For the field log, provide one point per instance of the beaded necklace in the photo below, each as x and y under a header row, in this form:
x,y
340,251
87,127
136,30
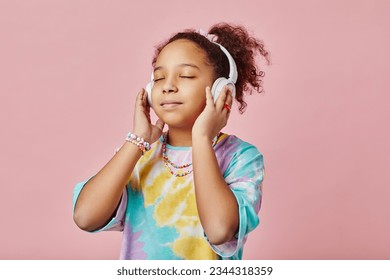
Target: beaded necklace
x,y
168,163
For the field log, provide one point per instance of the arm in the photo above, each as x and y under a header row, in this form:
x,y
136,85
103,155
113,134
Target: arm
x,y
100,197
216,203
243,170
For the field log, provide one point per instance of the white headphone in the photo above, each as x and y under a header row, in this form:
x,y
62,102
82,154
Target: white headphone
x,y
218,84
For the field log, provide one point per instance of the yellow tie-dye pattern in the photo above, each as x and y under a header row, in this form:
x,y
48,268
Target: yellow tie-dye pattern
x,y
154,190
191,209
142,170
170,208
193,248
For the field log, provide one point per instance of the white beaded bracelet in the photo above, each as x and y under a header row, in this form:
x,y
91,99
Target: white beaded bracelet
x,y
138,141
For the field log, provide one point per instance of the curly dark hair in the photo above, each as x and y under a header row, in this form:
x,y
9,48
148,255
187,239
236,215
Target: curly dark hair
x,y
241,46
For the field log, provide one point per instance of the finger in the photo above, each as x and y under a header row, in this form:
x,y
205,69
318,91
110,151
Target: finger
x,y
229,98
145,103
160,124
228,101
209,97
140,101
222,99
226,109
139,98
145,98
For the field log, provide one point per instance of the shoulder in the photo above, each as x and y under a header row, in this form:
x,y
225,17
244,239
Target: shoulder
x,y
233,151
231,145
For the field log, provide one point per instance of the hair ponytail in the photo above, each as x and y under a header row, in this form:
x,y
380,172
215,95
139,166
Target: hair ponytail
x,y
243,48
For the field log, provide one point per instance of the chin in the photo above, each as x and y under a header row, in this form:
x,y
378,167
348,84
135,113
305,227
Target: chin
x,y
177,119
174,122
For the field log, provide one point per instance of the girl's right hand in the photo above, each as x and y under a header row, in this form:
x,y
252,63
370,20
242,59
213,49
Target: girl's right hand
x,y
142,125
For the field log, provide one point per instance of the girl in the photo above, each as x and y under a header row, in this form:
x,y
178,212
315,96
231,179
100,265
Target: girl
x,y
191,192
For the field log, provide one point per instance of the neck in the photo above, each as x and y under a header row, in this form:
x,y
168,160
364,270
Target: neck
x,y
180,138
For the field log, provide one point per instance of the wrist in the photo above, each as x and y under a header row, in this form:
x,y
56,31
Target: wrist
x,y
206,139
132,149
196,138
139,141
198,135
141,134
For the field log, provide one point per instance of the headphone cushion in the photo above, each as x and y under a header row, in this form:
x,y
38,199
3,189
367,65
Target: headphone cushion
x,y
148,89
218,86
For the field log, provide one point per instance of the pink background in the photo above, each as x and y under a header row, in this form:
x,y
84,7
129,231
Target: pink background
x,y
69,73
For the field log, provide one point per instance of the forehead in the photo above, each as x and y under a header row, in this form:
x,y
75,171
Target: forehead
x,y
181,51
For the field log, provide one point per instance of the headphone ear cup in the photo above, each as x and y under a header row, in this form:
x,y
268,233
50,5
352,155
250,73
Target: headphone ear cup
x,y
218,86
148,89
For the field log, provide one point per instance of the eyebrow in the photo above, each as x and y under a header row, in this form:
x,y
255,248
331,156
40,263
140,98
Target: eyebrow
x,y
180,65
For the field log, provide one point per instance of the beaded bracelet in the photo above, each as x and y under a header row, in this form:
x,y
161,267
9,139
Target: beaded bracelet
x,y
138,141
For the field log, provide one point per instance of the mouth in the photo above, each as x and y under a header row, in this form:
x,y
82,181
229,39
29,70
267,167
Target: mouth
x,y
170,104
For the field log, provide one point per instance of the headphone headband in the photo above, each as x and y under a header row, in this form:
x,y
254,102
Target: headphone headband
x,y
233,75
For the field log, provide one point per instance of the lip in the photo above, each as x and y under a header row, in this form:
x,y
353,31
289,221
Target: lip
x,y
170,103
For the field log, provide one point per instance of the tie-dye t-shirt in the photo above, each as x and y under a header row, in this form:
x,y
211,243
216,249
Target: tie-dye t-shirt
x,y
158,214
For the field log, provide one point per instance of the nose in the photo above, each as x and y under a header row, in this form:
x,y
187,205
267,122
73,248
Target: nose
x,y
169,86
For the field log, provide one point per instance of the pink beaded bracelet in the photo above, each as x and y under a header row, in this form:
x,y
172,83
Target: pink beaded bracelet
x,y
138,141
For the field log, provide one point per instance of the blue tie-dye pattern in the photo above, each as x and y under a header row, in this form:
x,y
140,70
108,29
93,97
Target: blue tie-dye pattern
x,y
157,241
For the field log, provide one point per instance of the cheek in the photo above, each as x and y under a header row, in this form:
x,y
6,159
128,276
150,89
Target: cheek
x,y
198,105
155,97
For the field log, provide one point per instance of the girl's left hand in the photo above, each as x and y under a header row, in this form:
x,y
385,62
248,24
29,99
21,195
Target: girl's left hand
x,y
214,116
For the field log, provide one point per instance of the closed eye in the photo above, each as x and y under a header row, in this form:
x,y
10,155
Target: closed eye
x,y
187,77
156,80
